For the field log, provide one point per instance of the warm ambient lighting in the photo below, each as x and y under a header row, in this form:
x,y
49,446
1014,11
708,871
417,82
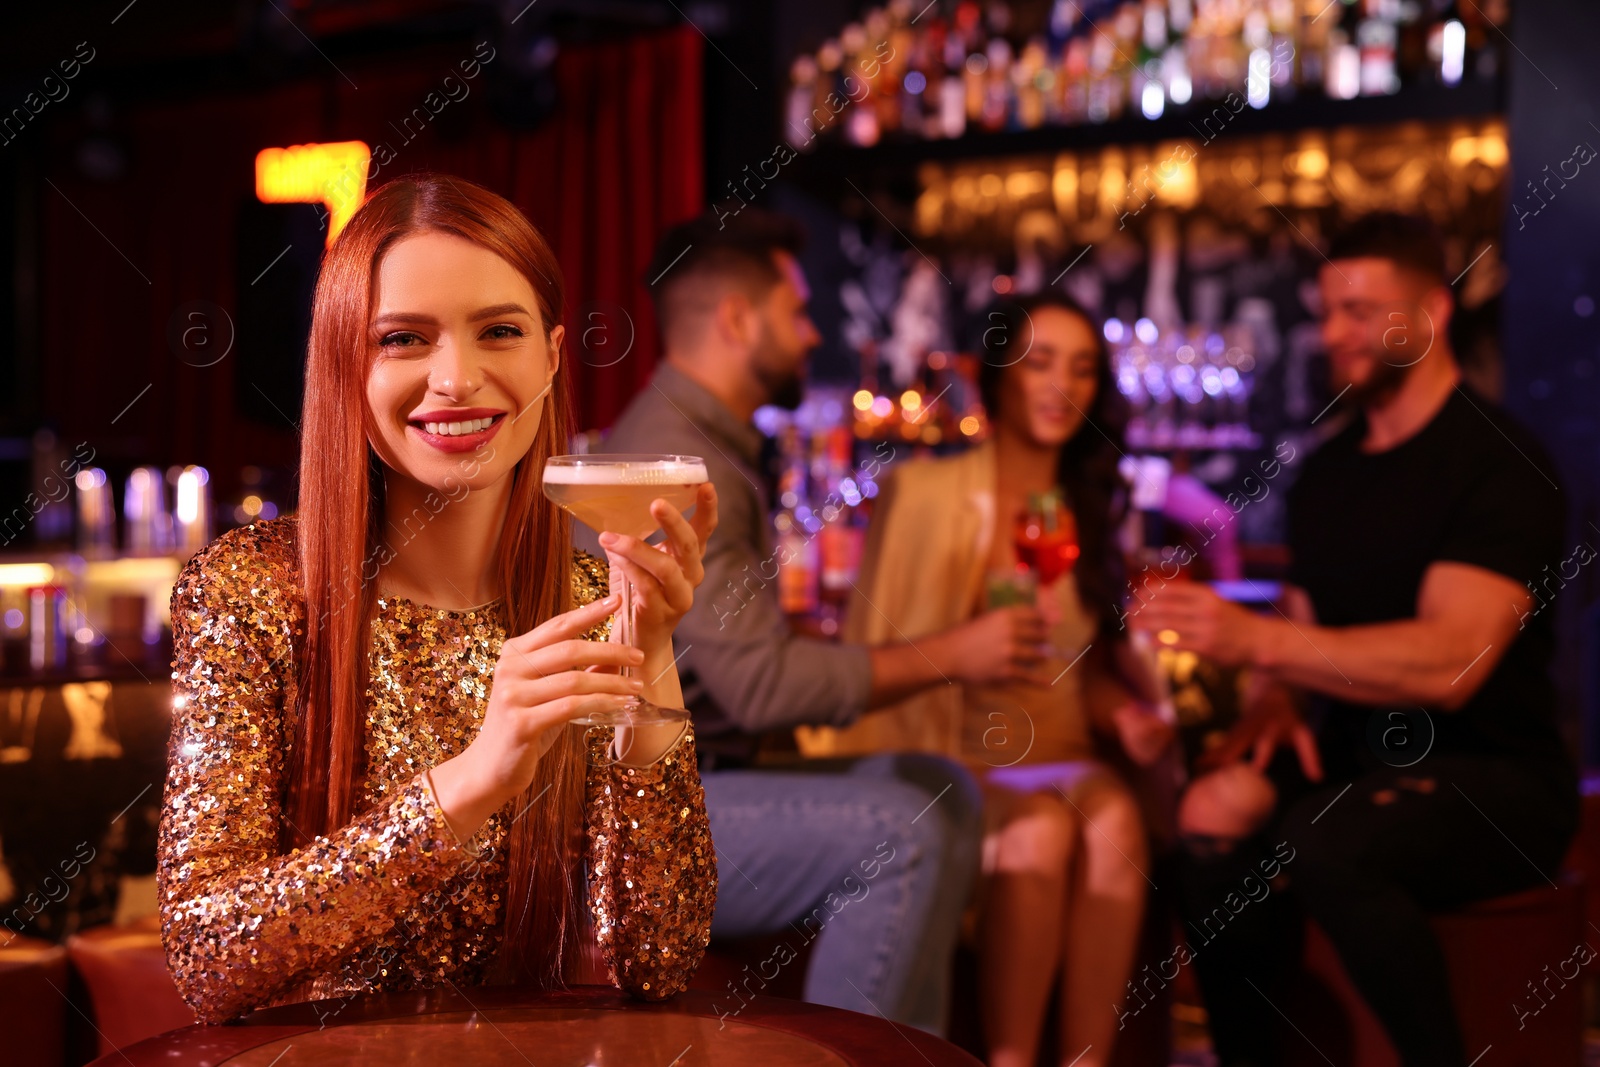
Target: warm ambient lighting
x,y
333,175
22,575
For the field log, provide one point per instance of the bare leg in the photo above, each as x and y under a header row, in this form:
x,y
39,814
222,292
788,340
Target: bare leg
x,y
1025,868
1104,909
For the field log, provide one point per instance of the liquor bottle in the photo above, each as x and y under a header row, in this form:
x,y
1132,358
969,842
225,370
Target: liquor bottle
x,y
797,566
799,126
890,47
997,88
841,537
1176,69
1064,15
1447,47
796,555
829,58
922,88
1148,89
1377,37
1284,30
1075,79
1180,17
1311,56
860,117
1343,63
1102,98
953,96
1031,78
1411,55
1258,58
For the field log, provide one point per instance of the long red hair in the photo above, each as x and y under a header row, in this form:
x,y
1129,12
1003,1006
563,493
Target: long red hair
x,y
340,520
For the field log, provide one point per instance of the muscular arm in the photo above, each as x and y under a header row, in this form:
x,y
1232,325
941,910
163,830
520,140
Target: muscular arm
x,y
1466,618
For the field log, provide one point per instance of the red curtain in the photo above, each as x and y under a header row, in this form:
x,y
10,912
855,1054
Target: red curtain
x,y
617,163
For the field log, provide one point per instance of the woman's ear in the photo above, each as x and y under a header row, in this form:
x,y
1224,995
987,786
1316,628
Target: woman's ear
x,y
558,334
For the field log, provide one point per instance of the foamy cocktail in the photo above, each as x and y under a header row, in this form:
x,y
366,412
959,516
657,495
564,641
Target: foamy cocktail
x,y
613,493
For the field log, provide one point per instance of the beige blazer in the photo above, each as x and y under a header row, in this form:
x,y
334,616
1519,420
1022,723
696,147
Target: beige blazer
x,y
929,510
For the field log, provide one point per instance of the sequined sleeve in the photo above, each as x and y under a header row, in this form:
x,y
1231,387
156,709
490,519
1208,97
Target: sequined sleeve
x,y
652,873
243,921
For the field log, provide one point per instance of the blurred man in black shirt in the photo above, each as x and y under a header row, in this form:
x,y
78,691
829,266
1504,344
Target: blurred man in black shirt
x,y
1436,775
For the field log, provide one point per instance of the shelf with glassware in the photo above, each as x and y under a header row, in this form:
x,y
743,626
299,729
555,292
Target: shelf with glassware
x,y
81,603
1202,123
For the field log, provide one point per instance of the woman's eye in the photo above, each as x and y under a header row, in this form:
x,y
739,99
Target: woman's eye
x,y
400,339
503,332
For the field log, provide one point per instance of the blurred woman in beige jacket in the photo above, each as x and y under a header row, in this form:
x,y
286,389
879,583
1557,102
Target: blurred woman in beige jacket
x,y
1065,861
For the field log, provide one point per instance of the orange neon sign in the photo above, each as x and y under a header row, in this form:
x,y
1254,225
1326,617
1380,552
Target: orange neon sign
x,y
333,175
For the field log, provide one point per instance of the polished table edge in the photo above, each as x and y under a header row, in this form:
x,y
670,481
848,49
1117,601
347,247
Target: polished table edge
x,y
860,1040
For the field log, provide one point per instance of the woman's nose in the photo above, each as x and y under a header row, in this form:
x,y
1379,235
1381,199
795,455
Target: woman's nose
x,y
454,371
1063,379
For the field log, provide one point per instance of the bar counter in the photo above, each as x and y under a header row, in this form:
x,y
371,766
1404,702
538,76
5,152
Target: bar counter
x,y
507,1025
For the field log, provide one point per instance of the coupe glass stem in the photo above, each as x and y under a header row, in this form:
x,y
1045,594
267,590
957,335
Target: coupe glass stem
x,y
625,624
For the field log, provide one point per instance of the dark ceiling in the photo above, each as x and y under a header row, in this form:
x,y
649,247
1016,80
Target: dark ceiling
x,y
146,47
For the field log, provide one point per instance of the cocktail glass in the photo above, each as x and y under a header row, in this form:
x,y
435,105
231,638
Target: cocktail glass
x,y
613,493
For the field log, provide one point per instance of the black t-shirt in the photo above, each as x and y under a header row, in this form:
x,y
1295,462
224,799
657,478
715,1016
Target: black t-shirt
x,y
1471,487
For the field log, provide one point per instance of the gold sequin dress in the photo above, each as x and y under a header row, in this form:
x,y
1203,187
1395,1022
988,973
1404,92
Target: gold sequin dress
x,y
392,901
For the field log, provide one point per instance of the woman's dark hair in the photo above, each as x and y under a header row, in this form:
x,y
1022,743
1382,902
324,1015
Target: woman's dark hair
x,y
1087,464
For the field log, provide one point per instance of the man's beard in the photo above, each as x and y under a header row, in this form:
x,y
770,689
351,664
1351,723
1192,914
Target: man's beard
x,y
1383,382
784,383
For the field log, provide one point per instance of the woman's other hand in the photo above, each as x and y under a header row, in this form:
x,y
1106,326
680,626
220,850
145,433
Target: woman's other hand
x,y
544,679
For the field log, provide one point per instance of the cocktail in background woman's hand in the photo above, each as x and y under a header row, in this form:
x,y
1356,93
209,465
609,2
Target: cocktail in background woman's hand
x,y
1046,537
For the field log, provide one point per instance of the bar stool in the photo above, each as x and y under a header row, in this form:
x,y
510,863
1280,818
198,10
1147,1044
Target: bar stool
x,y
130,990
32,1013
1493,949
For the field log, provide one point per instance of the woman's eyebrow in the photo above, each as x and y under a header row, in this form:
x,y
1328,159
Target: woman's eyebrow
x,y
418,318
496,310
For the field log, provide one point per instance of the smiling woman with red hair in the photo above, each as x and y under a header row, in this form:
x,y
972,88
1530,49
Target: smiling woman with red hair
x,y
372,782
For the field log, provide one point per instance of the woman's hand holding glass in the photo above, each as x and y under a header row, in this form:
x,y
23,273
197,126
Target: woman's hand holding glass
x,y
1004,645
544,679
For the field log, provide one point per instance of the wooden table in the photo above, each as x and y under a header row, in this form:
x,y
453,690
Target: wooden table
x,y
506,1026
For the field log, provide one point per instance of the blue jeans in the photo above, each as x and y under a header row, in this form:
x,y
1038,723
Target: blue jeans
x,y
870,861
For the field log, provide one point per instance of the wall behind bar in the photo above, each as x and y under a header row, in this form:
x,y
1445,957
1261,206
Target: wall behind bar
x,y
128,253
1552,323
